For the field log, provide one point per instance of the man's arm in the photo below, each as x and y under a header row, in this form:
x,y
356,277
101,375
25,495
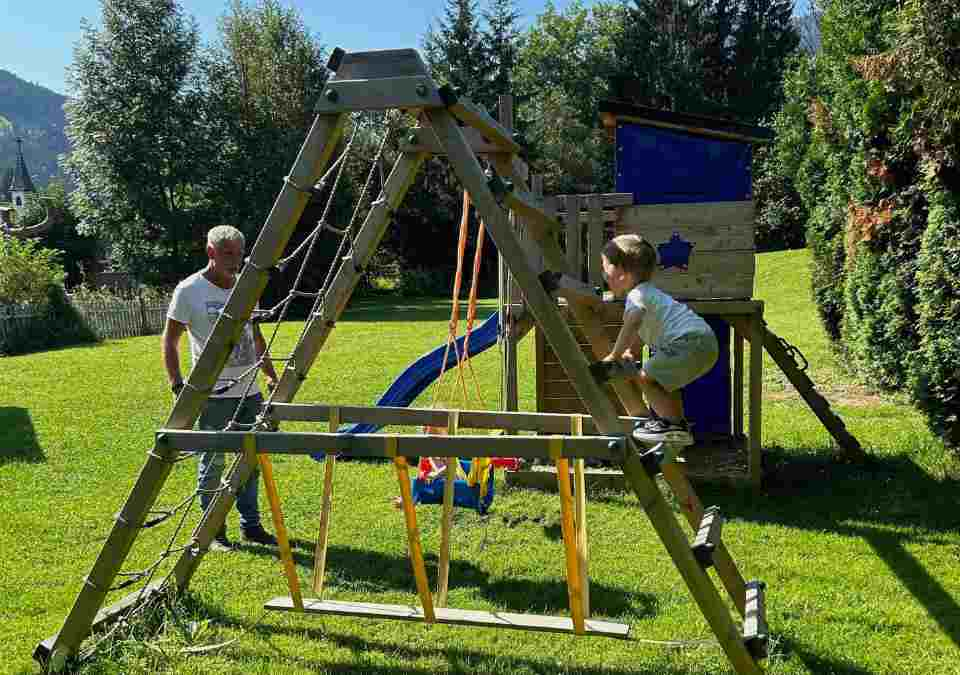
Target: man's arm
x,y
172,332
267,366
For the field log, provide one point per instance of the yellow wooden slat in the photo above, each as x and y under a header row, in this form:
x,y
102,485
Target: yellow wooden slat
x,y
443,580
413,537
574,589
320,552
266,468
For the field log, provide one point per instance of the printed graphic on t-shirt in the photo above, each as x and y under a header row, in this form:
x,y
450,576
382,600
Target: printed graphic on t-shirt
x,y
244,353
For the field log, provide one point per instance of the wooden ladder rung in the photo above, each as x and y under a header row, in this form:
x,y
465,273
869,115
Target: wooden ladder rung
x,y
755,634
708,536
458,617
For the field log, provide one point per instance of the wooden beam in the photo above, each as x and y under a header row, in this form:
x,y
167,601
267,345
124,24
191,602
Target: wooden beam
x,y
423,140
547,423
388,445
595,239
413,539
580,515
457,617
377,64
405,93
326,507
692,509
446,521
273,497
473,115
567,527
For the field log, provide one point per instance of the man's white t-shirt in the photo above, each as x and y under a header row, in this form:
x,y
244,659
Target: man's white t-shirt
x,y
197,303
664,319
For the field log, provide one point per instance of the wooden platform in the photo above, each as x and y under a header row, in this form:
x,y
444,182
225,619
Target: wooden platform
x,y
717,462
458,617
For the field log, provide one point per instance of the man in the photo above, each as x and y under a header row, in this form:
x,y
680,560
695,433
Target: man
x,y
196,304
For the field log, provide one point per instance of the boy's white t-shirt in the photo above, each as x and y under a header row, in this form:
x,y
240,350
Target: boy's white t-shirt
x,y
664,319
197,303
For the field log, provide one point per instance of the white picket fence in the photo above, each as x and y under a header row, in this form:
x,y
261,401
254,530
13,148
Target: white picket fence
x,y
115,317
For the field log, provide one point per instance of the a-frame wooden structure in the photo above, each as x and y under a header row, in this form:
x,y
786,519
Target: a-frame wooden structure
x,y
458,128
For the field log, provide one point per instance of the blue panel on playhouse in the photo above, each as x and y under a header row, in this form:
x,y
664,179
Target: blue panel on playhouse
x,y
707,400
660,166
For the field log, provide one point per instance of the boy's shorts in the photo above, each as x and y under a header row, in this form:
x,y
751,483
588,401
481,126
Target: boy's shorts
x,y
682,360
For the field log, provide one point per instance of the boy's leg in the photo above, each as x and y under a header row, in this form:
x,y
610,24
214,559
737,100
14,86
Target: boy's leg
x,y
666,404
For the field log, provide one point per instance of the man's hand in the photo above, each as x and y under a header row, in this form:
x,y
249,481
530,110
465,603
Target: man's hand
x,y
271,384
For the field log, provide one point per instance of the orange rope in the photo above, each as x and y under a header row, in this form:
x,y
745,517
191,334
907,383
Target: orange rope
x,y
455,309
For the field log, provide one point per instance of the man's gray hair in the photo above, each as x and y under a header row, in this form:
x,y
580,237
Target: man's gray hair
x,y
221,234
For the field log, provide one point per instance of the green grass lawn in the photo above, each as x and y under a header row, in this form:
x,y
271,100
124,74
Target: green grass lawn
x,y
862,563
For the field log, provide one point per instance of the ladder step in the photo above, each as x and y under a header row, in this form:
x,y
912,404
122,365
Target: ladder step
x,y
708,536
459,617
755,635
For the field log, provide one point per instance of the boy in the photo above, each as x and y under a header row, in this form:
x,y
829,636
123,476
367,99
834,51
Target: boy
x,y
683,344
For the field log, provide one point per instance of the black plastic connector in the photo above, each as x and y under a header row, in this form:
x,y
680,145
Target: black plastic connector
x,y
550,281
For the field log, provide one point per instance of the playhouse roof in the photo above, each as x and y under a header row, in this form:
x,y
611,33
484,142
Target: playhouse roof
x,y
613,111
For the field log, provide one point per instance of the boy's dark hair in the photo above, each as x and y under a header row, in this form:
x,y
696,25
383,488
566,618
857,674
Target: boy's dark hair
x,y
634,254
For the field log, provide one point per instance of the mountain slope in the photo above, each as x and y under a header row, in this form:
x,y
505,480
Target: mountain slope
x,y
35,114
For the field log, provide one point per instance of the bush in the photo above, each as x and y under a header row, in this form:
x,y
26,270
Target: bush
x,y
58,325
934,373
27,271
870,137
424,282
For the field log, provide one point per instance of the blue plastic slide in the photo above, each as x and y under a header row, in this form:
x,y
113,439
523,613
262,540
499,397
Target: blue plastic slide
x,y
425,370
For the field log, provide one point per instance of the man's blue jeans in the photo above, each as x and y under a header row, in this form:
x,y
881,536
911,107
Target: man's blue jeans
x,y
218,412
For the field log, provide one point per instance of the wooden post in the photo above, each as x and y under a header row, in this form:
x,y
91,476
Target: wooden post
x,y
574,254
320,552
595,237
413,540
580,485
508,328
289,568
574,590
755,444
737,382
443,580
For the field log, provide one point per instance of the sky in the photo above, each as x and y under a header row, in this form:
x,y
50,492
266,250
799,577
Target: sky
x,y
37,38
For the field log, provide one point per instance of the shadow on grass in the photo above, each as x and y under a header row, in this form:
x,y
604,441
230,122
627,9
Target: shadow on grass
x,y
874,501
367,655
350,569
817,663
18,440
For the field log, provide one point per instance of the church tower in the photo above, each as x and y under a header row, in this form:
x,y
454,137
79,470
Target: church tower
x,y
21,187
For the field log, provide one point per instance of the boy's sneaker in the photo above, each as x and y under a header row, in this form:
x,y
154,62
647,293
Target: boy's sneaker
x,y
643,420
660,430
220,542
258,535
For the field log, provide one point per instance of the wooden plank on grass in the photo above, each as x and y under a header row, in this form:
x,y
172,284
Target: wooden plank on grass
x,y
457,617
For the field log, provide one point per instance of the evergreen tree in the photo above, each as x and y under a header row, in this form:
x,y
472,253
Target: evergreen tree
x,y
763,39
456,53
502,38
139,148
